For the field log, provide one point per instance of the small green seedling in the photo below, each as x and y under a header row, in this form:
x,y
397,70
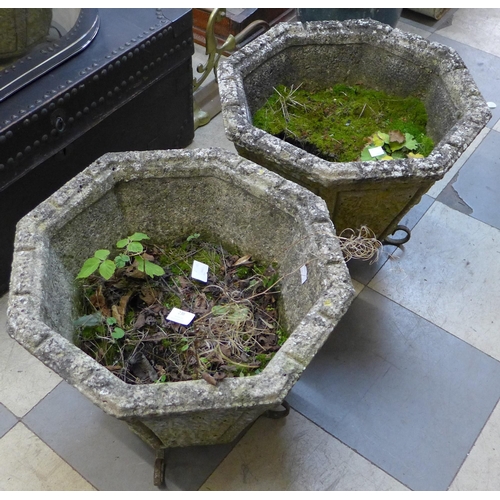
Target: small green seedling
x,y
132,249
132,243
116,332
99,262
193,236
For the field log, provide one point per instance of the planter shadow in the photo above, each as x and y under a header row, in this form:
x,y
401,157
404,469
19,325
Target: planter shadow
x,y
323,53
168,195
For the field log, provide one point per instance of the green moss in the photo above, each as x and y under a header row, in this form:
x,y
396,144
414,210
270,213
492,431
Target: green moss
x,y
335,123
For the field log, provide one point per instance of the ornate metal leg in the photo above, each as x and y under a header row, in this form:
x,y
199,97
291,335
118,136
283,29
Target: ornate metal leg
x,y
398,241
214,54
278,413
159,472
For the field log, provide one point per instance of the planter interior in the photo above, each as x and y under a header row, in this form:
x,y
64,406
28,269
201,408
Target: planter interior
x,y
169,195
322,54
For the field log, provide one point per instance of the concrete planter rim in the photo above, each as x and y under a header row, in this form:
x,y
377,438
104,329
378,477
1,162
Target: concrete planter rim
x,y
242,133
95,381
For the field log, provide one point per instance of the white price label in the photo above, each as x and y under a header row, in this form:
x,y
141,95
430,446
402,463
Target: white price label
x,y
303,274
199,271
379,150
180,316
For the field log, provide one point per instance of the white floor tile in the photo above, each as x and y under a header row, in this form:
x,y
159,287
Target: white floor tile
x,y
358,287
29,464
24,380
497,124
294,454
449,273
480,470
212,135
479,28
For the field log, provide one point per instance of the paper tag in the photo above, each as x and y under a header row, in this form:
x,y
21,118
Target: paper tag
x,y
199,271
180,316
303,274
379,150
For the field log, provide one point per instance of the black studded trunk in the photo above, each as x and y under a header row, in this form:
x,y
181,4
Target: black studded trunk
x,y
129,89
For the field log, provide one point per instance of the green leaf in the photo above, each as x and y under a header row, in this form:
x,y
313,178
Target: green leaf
x,y
384,137
193,236
138,237
118,333
220,310
101,254
89,320
397,155
365,154
238,314
107,269
121,260
111,321
122,243
140,263
185,347
153,269
89,266
411,142
395,146
135,247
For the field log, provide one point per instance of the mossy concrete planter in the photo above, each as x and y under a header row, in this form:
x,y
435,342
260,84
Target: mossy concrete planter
x,y
171,194
321,54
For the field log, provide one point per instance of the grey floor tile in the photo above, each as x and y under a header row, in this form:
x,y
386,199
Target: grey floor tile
x,y
403,393
475,189
449,273
7,420
106,453
293,454
364,271
484,68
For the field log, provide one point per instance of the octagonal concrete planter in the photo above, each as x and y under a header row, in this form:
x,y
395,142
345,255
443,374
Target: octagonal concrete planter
x,y
321,54
171,194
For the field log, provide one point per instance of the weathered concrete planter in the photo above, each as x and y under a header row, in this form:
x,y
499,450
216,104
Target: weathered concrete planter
x,y
168,195
320,54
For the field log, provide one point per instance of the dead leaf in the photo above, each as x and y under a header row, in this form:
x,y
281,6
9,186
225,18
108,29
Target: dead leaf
x,y
148,295
207,377
200,305
140,321
183,282
99,302
225,350
114,368
396,136
133,272
242,260
120,309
